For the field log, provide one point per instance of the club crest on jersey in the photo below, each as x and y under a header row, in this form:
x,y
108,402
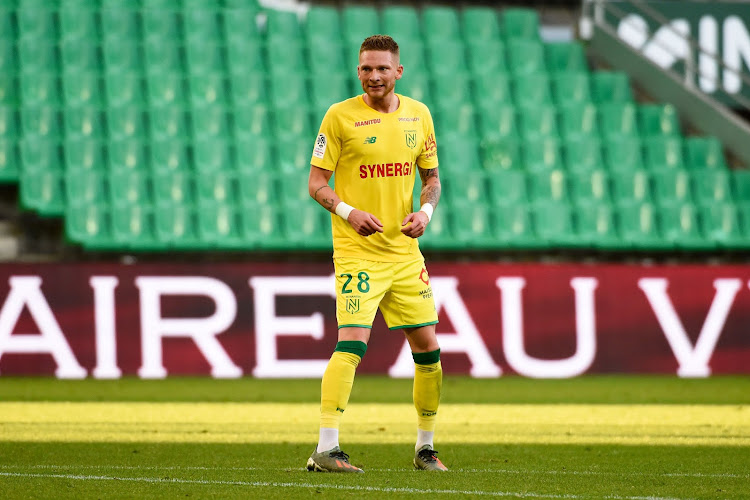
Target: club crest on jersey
x,y
352,305
411,138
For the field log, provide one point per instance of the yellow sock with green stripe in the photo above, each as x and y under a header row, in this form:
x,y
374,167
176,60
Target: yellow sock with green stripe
x,y
335,389
428,383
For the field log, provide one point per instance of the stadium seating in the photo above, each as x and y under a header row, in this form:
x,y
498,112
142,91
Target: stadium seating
x,y
188,124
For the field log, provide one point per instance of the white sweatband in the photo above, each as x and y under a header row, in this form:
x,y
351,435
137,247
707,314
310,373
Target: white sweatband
x,y
343,210
427,208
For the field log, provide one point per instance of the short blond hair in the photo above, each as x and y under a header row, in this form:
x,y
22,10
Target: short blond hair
x,y
380,42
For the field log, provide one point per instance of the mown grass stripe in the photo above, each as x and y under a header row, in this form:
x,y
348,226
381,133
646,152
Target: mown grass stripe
x,y
374,489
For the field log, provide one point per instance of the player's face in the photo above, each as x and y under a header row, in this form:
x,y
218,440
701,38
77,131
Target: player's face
x,y
378,71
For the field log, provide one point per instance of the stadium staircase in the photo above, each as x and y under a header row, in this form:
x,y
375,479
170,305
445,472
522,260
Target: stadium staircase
x,y
188,125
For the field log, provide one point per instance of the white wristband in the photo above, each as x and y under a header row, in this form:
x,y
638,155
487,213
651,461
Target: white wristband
x,y
427,208
343,210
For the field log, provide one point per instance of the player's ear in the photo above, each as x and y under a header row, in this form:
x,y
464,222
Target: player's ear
x,y
399,72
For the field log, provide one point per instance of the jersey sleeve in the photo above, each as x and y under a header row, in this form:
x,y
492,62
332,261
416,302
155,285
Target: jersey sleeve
x,y
327,148
428,157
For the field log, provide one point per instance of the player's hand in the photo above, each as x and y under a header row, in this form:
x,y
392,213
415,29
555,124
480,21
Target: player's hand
x,y
364,223
415,224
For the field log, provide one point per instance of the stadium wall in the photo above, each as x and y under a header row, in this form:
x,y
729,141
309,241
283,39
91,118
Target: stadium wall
x,y
277,320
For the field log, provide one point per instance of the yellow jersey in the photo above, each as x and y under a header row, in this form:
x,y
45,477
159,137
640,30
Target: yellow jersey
x,y
374,157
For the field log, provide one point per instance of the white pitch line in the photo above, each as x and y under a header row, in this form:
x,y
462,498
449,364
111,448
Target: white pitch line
x,y
271,484
405,469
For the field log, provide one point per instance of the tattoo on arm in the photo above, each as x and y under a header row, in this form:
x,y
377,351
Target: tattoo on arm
x,y
430,193
325,201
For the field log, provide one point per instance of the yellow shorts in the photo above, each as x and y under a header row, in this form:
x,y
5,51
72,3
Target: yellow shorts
x,y
401,289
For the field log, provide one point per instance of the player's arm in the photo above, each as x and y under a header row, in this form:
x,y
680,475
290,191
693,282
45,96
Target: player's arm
x,y
363,222
415,223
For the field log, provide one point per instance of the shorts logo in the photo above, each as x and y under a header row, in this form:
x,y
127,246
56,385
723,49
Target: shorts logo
x,y
320,146
352,306
411,138
424,277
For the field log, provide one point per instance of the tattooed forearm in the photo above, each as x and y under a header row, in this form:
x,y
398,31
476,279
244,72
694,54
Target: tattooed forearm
x,y
315,195
430,194
425,175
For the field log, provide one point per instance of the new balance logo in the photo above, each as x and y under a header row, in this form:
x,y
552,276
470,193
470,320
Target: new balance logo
x,y
370,140
340,409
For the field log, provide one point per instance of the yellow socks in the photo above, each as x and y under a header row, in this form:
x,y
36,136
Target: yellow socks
x,y
428,382
335,389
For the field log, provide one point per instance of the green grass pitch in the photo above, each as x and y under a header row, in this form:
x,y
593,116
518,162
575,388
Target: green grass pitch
x,y
615,437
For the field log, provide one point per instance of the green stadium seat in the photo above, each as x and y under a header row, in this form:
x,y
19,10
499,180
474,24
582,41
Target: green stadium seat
x,y
120,24
401,22
440,23
323,22
177,226
306,225
41,123
78,23
712,186
173,122
205,59
40,155
470,187
128,122
169,154
261,225
501,153
721,225
220,226
565,57
134,227
248,89
175,187
125,155
480,23
741,185
251,121
624,154
532,89
9,64
537,122
209,90
704,153
570,88
282,25
597,227
8,31
415,85
663,153
542,154
513,228
498,122
551,185
492,90
37,24
658,120
89,225
448,58
293,154
639,227
121,57
439,233
618,119
163,55
458,153
291,121
220,187
43,191
84,187
359,22
472,226
590,188
610,86
583,154
681,227
240,23
130,187
245,58
85,123
164,89
9,161
85,155
161,25
211,155
578,121
9,93
335,56
520,23
35,57
83,89
41,89
525,56
455,118
456,91
507,188
289,91
257,188
9,123
672,187
631,186
202,23
325,92
486,57
554,224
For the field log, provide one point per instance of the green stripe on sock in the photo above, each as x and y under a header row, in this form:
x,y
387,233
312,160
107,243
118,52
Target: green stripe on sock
x,y
426,358
352,346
